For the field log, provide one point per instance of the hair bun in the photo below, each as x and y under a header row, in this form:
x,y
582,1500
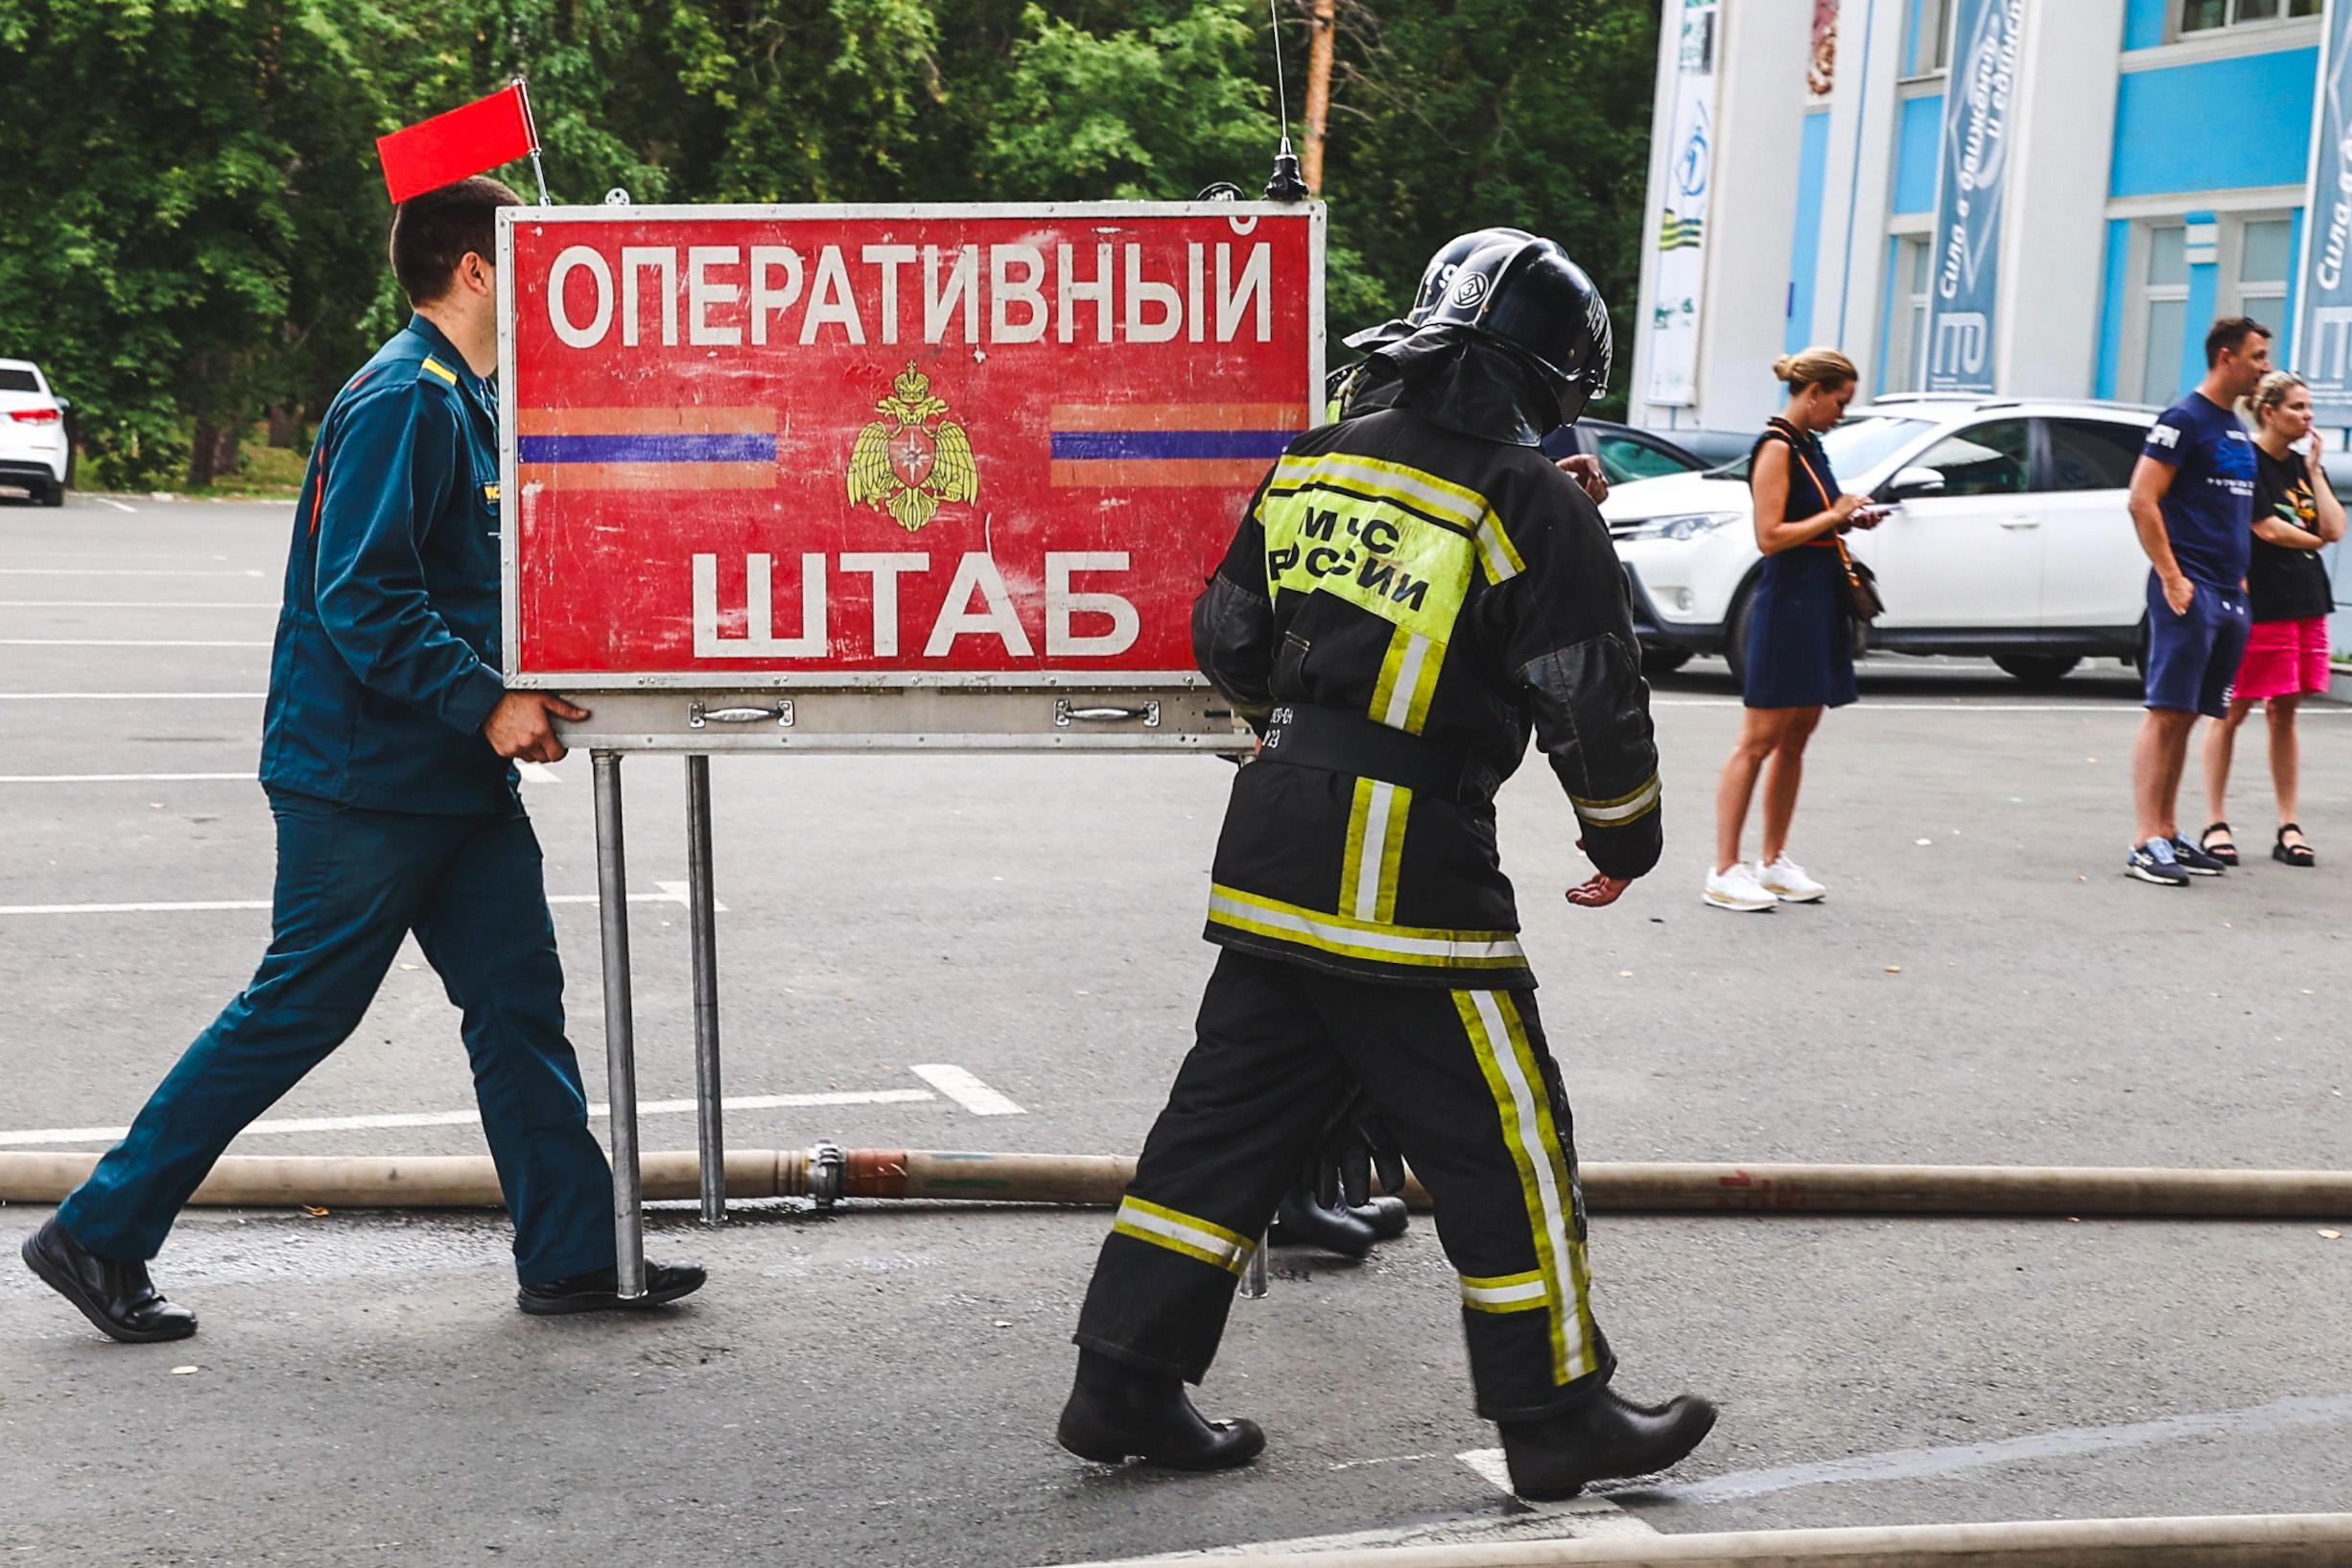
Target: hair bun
x,y
1782,365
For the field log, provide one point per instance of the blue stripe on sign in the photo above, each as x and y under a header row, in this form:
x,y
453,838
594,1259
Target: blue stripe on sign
x,y
646,448
1171,443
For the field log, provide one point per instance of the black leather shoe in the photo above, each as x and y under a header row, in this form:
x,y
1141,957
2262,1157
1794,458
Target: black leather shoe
x,y
1303,1222
599,1291
1116,1413
117,1296
1606,1438
1387,1216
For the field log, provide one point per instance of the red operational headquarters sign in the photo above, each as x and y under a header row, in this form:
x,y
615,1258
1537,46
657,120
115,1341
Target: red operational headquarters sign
x,y
750,443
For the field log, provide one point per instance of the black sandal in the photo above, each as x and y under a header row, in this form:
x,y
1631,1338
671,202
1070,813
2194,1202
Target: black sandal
x,y
2225,852
2292,854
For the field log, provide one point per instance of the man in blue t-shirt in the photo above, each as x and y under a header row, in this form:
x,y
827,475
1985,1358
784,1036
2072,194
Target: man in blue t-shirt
x,y
2193,503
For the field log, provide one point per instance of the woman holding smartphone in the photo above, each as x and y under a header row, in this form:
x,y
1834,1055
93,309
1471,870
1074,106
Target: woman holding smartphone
x,y
2296,515
1800,641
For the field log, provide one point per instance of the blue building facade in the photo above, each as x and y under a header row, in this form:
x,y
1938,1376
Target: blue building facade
x,y
2154,161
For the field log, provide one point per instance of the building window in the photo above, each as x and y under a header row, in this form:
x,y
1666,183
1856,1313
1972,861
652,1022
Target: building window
x,y
2265,254
2163,311
2205,16
1931,41
1907,342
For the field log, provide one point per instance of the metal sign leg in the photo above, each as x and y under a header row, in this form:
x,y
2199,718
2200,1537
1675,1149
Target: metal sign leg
x,y
702,927
620,1027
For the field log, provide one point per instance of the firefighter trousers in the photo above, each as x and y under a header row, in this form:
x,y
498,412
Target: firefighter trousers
x,y
1466,1084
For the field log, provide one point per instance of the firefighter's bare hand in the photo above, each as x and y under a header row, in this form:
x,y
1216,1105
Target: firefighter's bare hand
x,y
1585,470
519,727
1600,891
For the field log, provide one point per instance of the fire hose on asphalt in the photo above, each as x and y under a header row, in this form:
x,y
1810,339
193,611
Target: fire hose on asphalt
x,y
828,1174
2278,1540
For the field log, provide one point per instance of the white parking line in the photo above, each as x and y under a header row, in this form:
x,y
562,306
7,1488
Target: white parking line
x,y
1598,1516
122,572
965,1090
671,893
132,696
109,500
125,642
466,1118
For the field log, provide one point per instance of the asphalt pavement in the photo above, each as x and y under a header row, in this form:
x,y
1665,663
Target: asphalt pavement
x,y
1982,986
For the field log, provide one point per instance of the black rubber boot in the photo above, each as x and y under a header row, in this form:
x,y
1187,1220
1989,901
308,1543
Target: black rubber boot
x,y
1387,1216
1303,1222
1117,1413
1606,1438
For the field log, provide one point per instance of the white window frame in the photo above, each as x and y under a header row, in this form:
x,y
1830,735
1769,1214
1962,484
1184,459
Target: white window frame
x,y
1907,321
2131,360
2268,303
1936,58
2174,32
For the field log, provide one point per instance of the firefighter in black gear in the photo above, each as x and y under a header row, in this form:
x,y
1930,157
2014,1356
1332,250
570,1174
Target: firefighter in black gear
x,y
1412,593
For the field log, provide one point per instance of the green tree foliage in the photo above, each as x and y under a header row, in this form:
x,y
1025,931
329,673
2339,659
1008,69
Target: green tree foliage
x,y
197,224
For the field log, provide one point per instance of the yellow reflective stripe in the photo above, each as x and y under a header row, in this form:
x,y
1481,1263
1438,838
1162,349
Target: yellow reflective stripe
x,y
1374,555
1629,807
441,370
1374,844
1424,947
1186,1234
1501,558
1439,497
1490,1019
1506,1292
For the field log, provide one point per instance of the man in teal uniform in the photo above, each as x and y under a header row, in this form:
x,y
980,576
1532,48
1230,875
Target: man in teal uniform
x,y
385,754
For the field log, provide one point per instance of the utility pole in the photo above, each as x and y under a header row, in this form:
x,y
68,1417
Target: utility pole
x,y
1326,18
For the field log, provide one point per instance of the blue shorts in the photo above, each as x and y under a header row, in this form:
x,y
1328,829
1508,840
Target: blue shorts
x,y
2193,659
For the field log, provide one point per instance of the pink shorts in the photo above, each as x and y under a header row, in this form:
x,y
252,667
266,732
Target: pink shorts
x,y
2283,659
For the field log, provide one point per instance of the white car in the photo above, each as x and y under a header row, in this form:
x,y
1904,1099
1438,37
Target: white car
x,y
2010,538
32,447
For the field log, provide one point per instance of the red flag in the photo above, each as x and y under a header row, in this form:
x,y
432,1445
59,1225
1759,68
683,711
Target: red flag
x,y
466,141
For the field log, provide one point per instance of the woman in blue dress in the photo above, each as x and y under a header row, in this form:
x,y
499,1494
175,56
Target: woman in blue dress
x,y
1800,640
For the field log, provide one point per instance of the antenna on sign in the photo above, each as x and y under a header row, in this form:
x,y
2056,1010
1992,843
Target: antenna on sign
x,y
1287,183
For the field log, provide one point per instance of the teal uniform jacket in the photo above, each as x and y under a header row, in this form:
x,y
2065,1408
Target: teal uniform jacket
x,y
387,652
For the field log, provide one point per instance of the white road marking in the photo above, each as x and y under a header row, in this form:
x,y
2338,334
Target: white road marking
x,y
109,500
126,642
534,773
1597,1516
965,1090
132,696
466,1118
248,776
1961,705
1914,1463
133,604
122,572
116,555
672,893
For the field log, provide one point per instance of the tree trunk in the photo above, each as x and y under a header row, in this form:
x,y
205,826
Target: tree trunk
x,y
285,425
213,452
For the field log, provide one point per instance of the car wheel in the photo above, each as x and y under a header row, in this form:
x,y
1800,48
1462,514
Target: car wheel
x,y
1663,661
50,495
1735,635
2037,668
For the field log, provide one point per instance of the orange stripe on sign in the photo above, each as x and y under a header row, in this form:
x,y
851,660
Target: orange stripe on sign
x,y
1071,417
1220,473
690,421
656,476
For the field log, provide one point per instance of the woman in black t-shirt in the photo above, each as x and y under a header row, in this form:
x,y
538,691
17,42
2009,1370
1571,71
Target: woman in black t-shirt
x,y
2295,514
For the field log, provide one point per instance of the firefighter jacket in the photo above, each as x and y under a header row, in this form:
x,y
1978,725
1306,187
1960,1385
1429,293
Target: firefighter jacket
x,y
1458,589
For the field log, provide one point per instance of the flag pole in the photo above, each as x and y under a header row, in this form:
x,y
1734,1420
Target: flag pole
x,y
538,171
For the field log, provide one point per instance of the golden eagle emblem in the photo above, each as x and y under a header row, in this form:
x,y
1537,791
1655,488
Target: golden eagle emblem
x,y
904,463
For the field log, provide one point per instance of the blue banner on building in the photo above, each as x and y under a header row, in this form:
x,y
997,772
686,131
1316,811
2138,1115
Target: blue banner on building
x,y
2323,338
1964,293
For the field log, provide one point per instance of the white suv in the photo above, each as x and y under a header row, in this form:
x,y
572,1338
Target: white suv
x,y
2011,539
32,447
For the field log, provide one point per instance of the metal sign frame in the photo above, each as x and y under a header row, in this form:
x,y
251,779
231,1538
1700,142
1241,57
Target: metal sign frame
x,y
1175,681
699,712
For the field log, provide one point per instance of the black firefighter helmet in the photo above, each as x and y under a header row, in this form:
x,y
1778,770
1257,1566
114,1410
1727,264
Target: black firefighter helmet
x,y
1531,296
1436,281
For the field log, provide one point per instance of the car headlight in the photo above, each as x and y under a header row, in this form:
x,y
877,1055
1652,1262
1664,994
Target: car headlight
x,y
1682,525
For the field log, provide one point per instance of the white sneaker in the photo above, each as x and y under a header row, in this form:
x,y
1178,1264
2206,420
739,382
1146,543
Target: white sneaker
x,y
1786,880
1738,889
